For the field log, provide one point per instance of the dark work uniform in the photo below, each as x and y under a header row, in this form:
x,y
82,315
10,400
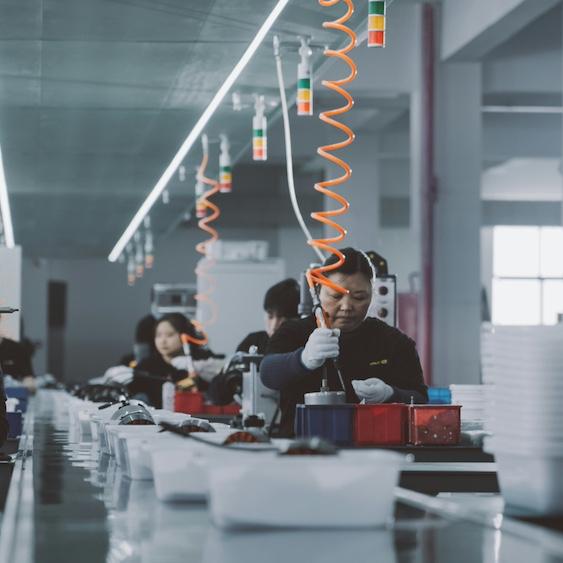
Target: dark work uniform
x,y
161,371
374,349
3,418
258,339
15,359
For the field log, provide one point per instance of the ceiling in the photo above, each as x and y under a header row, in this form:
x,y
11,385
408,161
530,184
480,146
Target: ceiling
x,y
96,96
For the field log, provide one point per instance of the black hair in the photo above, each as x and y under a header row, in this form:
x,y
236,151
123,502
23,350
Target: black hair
x,y
180,323
282,299
355,261
144,333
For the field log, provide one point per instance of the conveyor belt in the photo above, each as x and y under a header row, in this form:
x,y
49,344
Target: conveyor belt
x,y
66,504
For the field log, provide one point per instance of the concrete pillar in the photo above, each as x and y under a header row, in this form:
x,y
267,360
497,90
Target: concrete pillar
x,y
456,349
362,191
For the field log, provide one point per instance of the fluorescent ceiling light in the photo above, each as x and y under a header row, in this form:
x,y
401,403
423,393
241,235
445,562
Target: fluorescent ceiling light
x,y
196,132
5,207
522,109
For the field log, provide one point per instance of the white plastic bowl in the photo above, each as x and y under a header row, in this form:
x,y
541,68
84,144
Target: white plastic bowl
x,y
344,491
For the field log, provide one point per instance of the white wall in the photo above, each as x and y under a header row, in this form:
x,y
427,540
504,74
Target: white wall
x,y
10,289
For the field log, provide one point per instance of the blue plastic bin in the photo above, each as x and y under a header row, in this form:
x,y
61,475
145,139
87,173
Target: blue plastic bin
x,y
15,424
439,396
334,423
20,393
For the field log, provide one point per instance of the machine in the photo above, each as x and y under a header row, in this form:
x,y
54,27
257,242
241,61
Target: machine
x,y
173,298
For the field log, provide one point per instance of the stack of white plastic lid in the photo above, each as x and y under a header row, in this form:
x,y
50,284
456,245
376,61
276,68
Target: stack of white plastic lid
x,y
526,365
475,401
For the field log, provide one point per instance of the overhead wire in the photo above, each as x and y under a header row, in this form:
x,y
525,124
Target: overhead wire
x,y
288,148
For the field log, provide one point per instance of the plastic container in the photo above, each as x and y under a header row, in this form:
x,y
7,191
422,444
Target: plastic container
x,y
381,424
187,402
305,491
232,409
530,479
334,423
434,425
439,396
15,424
212,409
20,393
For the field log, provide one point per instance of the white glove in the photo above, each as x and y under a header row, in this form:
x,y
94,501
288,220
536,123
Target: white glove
x,y
372,390
322,345
119,374
183,363
208,369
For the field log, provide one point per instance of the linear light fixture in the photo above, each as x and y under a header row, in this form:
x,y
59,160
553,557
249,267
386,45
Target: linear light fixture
x,y
196,131
5,208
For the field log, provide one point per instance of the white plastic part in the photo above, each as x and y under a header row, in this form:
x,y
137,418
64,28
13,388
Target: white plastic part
x,y
168,392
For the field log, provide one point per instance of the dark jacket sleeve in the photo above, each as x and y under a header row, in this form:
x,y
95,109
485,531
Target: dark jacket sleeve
x,y
3,418
282,364
410,381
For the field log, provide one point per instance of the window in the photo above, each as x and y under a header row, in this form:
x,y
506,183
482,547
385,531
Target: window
x,y
527,275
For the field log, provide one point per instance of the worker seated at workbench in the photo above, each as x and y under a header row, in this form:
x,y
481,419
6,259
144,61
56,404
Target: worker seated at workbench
x,y
378,363
16,362
280,304
169,362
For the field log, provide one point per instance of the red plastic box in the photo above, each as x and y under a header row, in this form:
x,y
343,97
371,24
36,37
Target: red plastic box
x,y
233,409
212,409
437,425
381,424
187,402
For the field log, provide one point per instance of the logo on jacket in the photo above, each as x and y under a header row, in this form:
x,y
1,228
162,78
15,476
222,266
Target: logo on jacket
x,y
379,362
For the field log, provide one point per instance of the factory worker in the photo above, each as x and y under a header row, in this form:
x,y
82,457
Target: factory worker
x,y
16,361
143,347
4,427
168,361
280,304
378,363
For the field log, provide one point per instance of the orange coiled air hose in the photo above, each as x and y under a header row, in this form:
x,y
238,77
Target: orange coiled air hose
x,y
316,276
202,247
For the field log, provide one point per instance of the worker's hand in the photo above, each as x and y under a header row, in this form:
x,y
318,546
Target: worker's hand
x,y
372,390
182,363
122,375
208,369
30,383
322,345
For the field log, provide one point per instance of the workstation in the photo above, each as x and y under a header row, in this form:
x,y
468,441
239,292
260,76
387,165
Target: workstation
x,y
281,279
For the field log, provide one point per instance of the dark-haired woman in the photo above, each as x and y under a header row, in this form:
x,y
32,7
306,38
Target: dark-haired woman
x,y
169,361
378,363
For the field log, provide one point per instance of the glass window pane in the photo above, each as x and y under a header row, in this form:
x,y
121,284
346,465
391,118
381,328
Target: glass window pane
x,y
516,251
551,253
516,302
552,301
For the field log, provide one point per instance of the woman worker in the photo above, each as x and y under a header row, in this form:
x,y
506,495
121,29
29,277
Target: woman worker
x,y
378,363
168,361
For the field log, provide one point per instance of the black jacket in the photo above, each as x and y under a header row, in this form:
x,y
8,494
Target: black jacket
x,y
258,339
3,418
15,359
160,371
374,349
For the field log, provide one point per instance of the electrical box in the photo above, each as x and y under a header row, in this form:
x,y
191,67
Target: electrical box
x,y
384,301
173,298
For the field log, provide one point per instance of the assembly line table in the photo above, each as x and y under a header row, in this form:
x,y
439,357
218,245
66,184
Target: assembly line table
x,y
68,504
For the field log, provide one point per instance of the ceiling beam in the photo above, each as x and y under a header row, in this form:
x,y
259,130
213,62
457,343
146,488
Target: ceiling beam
x,y
472,28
